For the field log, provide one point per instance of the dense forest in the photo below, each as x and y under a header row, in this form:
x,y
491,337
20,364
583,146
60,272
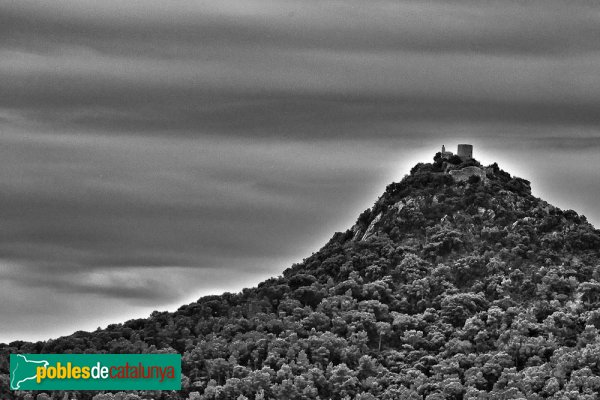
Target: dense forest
x,y
446,288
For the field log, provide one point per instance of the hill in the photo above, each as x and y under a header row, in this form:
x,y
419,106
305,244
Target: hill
x,y
457,284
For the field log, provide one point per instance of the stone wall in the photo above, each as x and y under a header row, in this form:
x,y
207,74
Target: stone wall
x,y
464,174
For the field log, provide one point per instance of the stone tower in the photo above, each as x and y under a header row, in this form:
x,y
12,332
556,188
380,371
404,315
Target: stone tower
x,y
446,154
465,151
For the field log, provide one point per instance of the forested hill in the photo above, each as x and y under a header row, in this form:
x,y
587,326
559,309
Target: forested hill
x,y
456,284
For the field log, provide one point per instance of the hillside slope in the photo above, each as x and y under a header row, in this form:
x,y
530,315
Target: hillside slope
x,y
456,284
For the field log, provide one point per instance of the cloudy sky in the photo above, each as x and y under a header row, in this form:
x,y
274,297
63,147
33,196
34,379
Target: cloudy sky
x,y
155,151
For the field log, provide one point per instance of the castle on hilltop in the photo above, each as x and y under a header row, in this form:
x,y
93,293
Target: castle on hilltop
x,y
464,151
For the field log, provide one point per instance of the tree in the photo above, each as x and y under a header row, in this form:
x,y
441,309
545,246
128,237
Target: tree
x,y
458,307
383,328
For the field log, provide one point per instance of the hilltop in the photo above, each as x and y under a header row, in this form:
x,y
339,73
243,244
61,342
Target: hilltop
x,y
457,284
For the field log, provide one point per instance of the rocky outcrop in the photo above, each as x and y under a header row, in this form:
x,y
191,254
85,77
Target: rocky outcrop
x,y
371,229
410,203
461,175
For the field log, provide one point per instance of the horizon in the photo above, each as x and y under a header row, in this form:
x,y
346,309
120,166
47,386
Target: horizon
x,y
153,152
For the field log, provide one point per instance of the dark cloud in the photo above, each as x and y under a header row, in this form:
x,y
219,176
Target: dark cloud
x,y
274,66
151,151
185,28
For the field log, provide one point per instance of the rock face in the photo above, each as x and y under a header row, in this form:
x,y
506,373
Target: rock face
x,y
464,174
370,230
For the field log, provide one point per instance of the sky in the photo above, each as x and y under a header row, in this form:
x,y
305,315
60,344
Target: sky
x,y
152,152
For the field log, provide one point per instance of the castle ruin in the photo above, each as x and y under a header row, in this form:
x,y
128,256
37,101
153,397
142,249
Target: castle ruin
x,y
464,151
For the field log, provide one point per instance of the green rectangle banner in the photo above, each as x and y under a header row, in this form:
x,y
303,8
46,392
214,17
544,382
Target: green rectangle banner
x,y
95,371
